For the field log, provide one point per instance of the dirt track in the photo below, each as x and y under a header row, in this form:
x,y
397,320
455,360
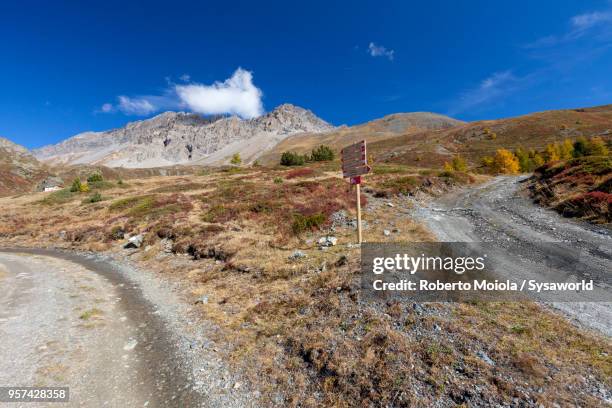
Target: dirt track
x,y
498,212
116,341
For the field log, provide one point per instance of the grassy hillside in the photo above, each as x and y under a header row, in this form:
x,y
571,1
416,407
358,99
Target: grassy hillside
x,y
381,129
580,187
243,243
478,139
69,173
19,170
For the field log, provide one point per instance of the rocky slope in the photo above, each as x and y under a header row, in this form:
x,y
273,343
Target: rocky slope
x,y
183,138
19,170
580,187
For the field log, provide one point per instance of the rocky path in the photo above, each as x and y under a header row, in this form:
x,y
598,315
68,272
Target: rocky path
x,y
66,320
497,212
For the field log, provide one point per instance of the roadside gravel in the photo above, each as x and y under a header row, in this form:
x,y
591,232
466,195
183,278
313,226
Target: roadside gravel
x,y
498,212
115,335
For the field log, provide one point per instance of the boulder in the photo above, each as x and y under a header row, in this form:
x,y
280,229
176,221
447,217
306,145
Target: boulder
x,y
297,254
167,245
134,242
328,241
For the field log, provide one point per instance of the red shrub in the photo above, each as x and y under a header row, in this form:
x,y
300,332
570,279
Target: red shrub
x,y
594,205
597,197
299,173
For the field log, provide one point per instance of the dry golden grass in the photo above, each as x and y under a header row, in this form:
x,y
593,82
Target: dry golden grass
x,y
300,327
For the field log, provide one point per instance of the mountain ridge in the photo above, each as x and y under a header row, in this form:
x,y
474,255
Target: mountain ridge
x,y
387,127
172,138
19,169
477,139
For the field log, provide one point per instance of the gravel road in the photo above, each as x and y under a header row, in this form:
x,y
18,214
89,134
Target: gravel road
x,y
499,212
110,333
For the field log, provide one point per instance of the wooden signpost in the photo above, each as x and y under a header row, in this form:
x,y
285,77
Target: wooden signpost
x,y
354,165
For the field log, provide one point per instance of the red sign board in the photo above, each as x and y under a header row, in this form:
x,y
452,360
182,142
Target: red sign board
x,y
354,160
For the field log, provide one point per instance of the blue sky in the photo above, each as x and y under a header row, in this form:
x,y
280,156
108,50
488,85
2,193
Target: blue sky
x,y
68,67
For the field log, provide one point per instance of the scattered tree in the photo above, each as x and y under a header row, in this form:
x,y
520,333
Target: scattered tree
x,y
291,159
566,149
552,152
457,164
525,162
96,197
597,147
95,178
236,160
487,161
538,160
581,146
322,153
505,162
76,186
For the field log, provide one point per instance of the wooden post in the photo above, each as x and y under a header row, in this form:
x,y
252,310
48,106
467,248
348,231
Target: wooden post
x,y
359,213
354,165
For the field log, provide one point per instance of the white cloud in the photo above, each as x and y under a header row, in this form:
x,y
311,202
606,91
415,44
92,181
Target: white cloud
x,y
592,25
490,89
135,106
379,51
586,37
495,80
236,95
543,42
589,20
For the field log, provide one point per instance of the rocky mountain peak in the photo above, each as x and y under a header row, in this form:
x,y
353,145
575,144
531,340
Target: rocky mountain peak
x,y
288,118
14,147
182,138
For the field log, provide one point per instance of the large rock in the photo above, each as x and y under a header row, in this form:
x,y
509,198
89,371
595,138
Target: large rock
x,y
51,182
134,242
327,241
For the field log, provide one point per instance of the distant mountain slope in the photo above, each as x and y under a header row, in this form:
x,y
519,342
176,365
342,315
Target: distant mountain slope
x,y
380,129
482,138
19,170
183,138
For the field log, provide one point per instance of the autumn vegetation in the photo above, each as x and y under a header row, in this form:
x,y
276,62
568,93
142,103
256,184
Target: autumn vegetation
x,y
522,161
299,328
319,154
578,187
